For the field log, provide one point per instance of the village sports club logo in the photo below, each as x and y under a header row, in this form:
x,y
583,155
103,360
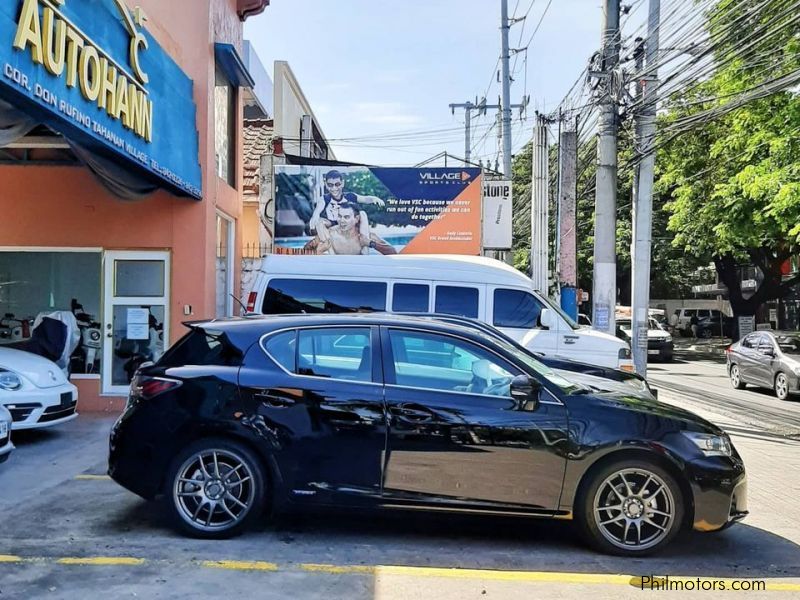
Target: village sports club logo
x,y
455,178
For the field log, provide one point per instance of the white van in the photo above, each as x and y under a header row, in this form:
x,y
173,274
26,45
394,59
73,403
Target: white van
x,y
477,287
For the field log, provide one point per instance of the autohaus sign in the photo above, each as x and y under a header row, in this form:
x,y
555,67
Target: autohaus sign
x,y
90,70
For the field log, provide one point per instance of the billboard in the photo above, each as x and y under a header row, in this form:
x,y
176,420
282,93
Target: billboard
x,y
375,210
497,209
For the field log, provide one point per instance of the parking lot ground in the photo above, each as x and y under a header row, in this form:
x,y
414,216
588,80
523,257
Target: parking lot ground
x,y
69,532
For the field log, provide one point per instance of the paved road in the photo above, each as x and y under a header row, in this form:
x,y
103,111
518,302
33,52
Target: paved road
x,y
705,384
68,532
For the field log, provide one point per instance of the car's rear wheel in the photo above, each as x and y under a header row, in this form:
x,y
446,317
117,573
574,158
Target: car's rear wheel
x,y
781,386
630,508
736,378
706,334
215,489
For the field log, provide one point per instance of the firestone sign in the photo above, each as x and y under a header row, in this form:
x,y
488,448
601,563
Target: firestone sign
x,y
89,69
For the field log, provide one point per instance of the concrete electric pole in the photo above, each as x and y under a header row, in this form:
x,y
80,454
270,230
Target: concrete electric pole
x,y
604,287
567,231
505,26
643,189
540,207
480,108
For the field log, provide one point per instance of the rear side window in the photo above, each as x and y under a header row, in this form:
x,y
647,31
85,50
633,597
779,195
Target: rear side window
x,y
410,297
290,296
282,348
344,353
690,313
462,301
202,347
751,341
515,308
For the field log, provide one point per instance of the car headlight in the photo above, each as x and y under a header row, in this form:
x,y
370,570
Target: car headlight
x,y
710,444
668,339
9,381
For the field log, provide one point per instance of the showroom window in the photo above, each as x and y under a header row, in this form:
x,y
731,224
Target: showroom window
x,y
32,283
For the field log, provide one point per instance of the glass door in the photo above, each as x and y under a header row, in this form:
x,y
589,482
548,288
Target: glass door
x,y
136,314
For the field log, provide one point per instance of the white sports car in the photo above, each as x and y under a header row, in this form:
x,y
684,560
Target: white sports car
x,y
5,435
35,390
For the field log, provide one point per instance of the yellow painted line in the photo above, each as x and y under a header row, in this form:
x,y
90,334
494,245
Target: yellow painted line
x,y
92,477
338,569
240,565
495,575
10,558
113,561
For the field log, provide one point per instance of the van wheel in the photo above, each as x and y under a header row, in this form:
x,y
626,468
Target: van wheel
x,y
215,489
630,508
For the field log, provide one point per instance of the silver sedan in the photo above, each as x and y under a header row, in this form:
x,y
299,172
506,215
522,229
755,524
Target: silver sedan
x,y
769,359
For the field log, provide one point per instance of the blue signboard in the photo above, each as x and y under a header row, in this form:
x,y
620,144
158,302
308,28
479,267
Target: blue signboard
x,y
90,70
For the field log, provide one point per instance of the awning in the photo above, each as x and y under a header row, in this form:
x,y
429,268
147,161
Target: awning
x,y
233,66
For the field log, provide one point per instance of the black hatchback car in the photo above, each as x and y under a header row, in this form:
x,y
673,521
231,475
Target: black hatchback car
x,y
387,411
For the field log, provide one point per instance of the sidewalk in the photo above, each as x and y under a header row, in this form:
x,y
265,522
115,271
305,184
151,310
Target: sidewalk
x,y
693,349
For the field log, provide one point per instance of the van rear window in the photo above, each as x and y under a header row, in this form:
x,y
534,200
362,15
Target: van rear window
x,y
293,296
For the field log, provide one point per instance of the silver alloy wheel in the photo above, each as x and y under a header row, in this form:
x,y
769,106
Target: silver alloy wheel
x,y
634,509
781,386
735,378
214,490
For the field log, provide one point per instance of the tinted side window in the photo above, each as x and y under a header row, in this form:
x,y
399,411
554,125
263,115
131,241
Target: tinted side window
x,y
282,348
410,297
515,308
431,361
340,353
288,296
462,301
690,313
751,341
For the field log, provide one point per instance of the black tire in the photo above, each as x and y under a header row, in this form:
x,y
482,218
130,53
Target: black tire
x,y
239,474
736,377
781,386
706,334
670,502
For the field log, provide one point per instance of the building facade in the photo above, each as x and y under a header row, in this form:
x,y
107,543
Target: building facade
x,y
120,173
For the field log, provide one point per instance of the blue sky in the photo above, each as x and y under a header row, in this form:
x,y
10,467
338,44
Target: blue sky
x,y
372,67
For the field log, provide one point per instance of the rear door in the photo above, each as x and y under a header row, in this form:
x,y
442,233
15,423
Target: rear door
x,y
316,395
455,433
747,358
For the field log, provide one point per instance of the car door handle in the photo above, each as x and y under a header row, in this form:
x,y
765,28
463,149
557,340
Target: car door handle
x,y
412,413
273,401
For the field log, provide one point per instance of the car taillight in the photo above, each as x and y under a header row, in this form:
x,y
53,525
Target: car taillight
x,y
150,387
251,302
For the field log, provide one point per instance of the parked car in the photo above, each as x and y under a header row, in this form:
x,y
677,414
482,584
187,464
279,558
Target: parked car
x,y
769,359
5,434
716,326
388,411
682,318
659,342
598,379
470,286
35,390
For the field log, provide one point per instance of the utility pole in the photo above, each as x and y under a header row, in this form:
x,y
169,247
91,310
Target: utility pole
x,y
480,108
604,287
643,189
505,26
540,206
567,193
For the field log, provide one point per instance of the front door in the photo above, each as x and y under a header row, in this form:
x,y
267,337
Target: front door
x,y
136,314
456,435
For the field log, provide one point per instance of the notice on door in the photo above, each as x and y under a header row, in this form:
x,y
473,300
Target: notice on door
x,y
138,320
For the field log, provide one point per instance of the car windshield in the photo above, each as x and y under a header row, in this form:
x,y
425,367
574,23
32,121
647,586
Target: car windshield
x,y
789,344
565,385
551,305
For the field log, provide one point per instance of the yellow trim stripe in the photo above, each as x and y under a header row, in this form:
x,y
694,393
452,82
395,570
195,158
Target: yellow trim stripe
x,y
111,561
240,565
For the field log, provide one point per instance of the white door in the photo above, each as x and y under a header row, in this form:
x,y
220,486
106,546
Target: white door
x,y
135,314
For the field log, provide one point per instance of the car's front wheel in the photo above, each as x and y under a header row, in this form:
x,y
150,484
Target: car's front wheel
x,y
736,378
630,508
215,489
782,386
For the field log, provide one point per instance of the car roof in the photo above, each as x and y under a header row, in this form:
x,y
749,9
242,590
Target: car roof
x,y
433,267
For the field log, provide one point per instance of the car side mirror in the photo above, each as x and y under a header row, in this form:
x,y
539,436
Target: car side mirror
x,y
525,392
547,319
